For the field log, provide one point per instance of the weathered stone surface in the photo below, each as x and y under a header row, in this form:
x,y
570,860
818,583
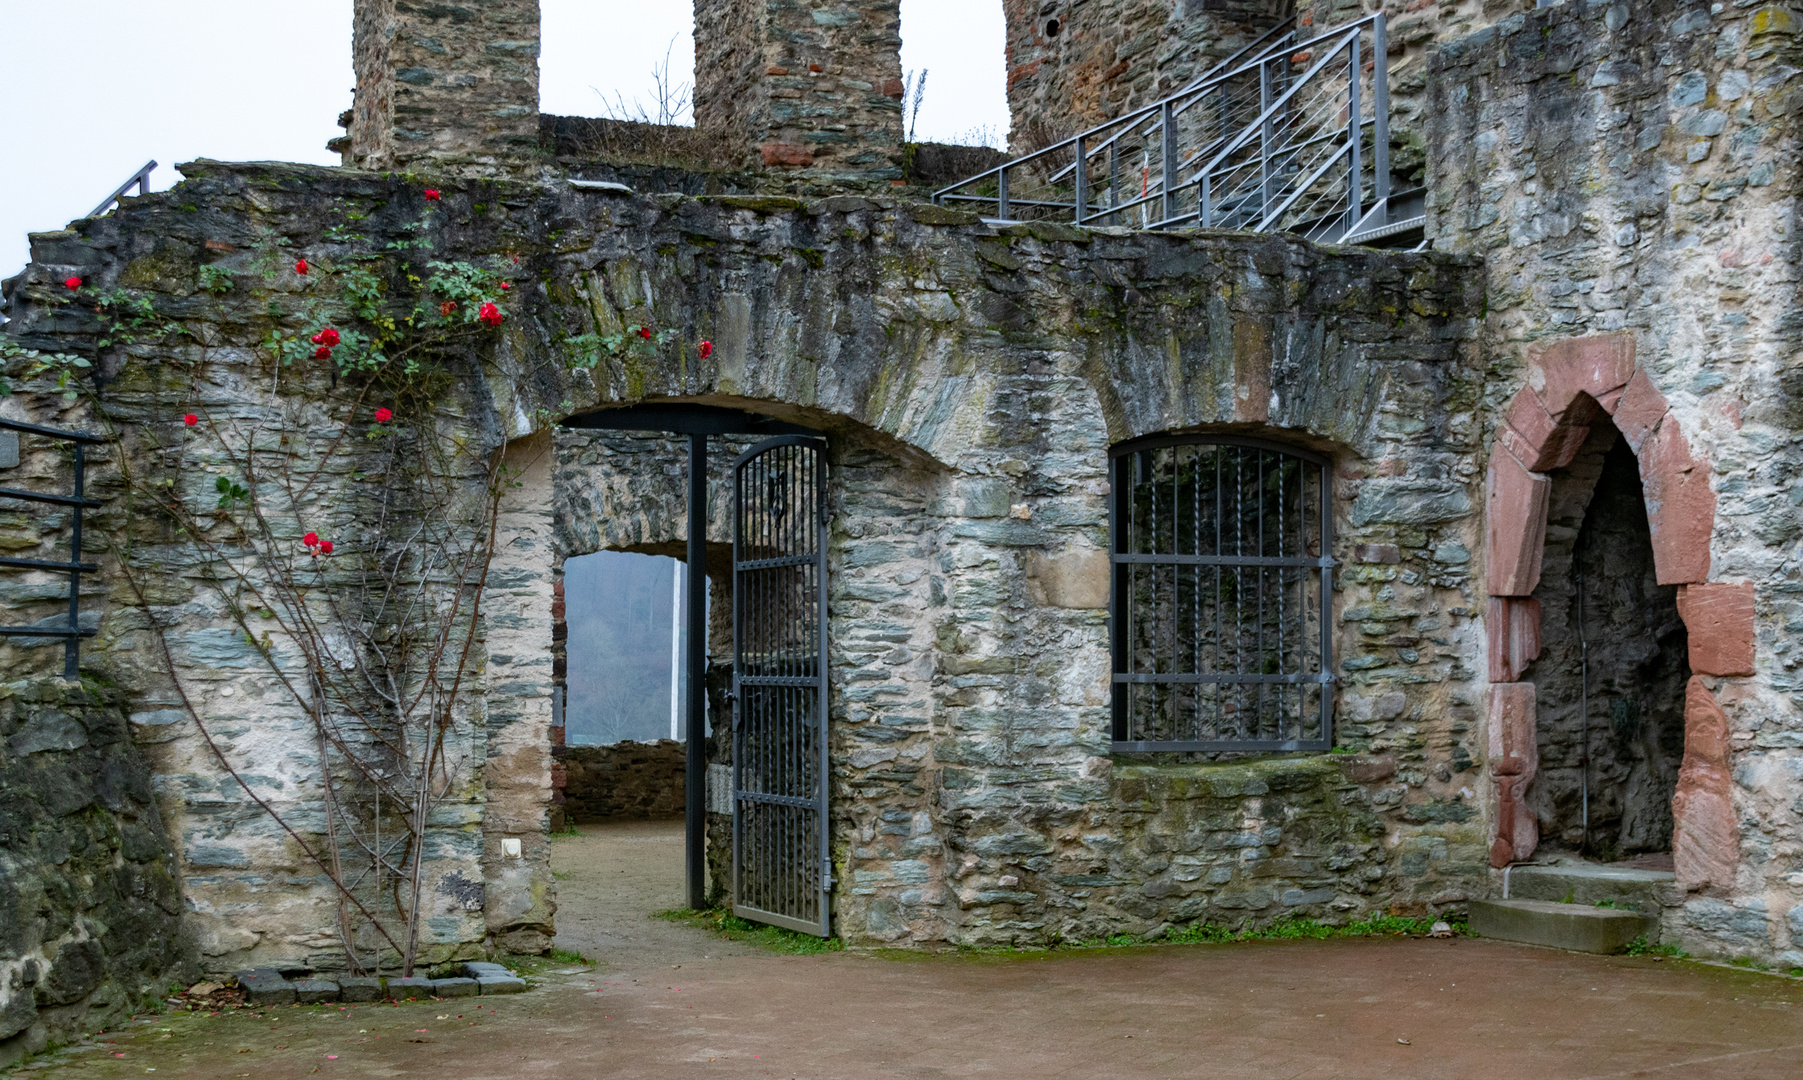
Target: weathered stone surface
x,y
409,989
1639,410
454,988
266,988
360,988
314,991
1705,837
1571,374
1579,927
501,984
1719,617
1514,627
1515,509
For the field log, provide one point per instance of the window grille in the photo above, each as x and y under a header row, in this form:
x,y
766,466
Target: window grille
x,y
1222,568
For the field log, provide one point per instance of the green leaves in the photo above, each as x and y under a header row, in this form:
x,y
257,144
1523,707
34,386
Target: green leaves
x,y
65,366
231,493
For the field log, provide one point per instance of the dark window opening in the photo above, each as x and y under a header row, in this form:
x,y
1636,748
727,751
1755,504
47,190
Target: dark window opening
x,y
1052,27
1221,568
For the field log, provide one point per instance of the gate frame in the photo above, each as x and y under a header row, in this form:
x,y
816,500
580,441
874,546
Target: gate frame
x,y
823,851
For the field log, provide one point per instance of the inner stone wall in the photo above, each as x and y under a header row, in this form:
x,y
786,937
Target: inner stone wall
x,y
1629,168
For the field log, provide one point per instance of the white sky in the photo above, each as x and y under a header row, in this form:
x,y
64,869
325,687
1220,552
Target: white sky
x,y
94,88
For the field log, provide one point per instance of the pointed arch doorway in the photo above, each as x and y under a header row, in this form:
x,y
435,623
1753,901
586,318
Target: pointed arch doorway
x,y
1574,386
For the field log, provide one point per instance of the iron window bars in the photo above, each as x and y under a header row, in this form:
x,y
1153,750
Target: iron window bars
x,y
72,631
1223,578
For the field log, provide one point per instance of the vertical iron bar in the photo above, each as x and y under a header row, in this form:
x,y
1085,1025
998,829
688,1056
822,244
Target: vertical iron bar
x,y
1265,134
1326,608
738,689
1080,178
1168,159
1001,197
694,780
72,644
1380,108
818,515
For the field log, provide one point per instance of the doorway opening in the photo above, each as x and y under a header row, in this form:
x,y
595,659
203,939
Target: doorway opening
x,y
1611,675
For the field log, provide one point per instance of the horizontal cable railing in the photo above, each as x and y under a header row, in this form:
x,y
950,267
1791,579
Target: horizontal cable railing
x,y
1289,134
70,629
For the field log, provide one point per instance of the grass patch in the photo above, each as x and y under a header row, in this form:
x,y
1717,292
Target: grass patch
x,y
566,832
732,928
1285,929
534,965
1640,946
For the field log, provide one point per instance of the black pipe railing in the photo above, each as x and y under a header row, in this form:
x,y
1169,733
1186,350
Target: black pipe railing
x,y
72,631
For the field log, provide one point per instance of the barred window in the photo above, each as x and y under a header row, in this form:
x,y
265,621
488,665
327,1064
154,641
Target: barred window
x,y
1221,568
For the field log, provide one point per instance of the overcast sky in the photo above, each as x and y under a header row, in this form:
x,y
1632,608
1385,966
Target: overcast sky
x,y
94,88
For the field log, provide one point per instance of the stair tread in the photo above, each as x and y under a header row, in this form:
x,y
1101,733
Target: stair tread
x,y
1576,911
1593,872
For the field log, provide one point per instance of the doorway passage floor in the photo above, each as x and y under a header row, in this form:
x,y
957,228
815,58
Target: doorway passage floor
x,y
1350,1008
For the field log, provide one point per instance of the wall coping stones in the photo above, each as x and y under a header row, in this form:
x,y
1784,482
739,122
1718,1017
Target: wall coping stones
x,y
264,986
450,988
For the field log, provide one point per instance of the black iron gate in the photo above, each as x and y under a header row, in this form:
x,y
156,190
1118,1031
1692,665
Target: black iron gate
x,y
781,868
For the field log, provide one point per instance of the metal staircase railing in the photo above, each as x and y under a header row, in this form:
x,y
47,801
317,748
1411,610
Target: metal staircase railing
x,y
1289,134
71,631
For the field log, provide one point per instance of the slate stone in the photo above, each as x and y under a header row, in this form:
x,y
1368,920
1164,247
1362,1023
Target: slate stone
x,y
263,987
314,991
360,988
403,989
501,984
450,988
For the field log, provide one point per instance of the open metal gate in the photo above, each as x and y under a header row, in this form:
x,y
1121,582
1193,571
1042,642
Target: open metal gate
x,y
782,872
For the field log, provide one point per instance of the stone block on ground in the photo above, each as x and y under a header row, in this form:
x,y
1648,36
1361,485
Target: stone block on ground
x,y
1646,891
448,988
402,989
482,969
264,987
501,984
1578,927
360,988
314,991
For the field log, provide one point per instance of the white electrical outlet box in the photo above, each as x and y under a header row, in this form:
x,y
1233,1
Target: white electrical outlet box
x,y
510,847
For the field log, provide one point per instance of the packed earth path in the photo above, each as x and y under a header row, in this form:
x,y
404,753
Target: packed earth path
x,y
669,999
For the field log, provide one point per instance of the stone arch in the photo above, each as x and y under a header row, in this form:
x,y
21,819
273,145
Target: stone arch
x,y
1573,384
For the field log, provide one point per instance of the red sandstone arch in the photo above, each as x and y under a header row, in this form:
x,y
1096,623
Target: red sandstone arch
x,y
1572,384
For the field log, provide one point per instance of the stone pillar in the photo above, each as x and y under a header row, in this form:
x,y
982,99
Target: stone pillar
x,y
444,85
811,88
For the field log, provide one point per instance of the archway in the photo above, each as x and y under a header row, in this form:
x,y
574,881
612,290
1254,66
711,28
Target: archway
x,y
1572,385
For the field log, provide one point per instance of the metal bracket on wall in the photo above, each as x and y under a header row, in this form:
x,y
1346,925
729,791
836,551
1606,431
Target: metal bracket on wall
x,y
71,630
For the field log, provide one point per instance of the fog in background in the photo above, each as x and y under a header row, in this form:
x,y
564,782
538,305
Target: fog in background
x,y
96,88
618,608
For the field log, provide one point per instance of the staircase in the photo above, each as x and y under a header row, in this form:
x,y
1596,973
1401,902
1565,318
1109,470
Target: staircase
x,y
1573,904
1290,134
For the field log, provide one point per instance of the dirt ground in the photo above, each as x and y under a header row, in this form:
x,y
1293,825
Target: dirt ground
x,y
671,1000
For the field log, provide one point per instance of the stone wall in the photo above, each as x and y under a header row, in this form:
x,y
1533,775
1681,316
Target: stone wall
x,y
791,86
1073,65
624,780
90,901
1630,168
453,84
970,381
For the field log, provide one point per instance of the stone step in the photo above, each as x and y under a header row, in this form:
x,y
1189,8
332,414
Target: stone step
x,y
1578,927
1645,891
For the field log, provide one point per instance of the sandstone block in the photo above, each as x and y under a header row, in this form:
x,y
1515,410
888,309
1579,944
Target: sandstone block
x,y
1514,630
1573,373
1719,618
1705,838
1076,578
1514,759
786,154
1516,512
1680,506
1639,410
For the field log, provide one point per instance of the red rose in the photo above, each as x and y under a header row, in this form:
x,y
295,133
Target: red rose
x,y
706,349
447,307
490,314
301,267
190,419
71,283
324,352
505,286
311,539
645,332
328,336
383,416
325,547
432,194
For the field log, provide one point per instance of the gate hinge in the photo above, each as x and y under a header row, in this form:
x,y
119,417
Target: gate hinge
x,y
826,874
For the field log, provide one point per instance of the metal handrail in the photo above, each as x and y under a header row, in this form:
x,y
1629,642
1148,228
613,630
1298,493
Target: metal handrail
x,y
140,178
1266,144
72,632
